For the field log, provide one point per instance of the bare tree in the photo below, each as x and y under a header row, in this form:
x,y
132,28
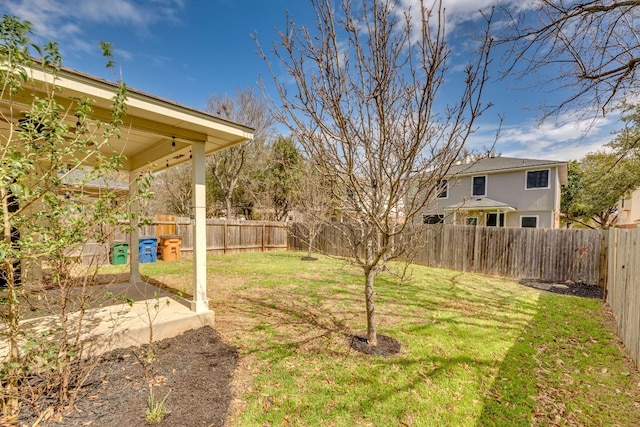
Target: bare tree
x,y
315,203
228,167
173,192
589,46
368,107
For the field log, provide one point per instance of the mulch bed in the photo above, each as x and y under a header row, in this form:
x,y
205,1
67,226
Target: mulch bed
x,y
567,288
193,370
387,346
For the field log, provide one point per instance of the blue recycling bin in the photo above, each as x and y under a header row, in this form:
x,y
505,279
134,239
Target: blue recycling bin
x,y
147,249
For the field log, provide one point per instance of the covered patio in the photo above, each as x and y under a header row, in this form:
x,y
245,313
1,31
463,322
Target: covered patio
x,y
156,134
479,211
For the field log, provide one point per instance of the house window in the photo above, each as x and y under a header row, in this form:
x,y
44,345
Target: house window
x,y
495,220
472,220
538,179
443,189
529,221
432,219
480,185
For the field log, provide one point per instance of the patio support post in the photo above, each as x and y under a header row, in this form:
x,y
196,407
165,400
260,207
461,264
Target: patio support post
x,y
134,235
200,303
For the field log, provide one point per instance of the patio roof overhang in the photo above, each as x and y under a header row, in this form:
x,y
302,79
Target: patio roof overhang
x,y
151,124
480,203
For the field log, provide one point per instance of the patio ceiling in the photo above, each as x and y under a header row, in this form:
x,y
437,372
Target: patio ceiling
x,y
151,124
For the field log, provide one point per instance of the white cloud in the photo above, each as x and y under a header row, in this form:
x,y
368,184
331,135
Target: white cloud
x,y
80,45
459,11
114,11
123,54
65,20
45,17
568,138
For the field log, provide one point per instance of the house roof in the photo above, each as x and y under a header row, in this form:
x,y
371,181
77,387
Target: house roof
x,y
505,164
151,124
478,203
77,179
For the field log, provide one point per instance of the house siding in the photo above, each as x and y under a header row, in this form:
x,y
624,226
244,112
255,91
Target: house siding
x,y
508,187
629,210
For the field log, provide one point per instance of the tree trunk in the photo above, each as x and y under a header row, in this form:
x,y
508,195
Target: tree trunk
x,y
10,402
369,293
228,203
309,245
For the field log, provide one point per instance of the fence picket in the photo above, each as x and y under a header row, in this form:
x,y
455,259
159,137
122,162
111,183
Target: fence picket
x,y
519,253
222,236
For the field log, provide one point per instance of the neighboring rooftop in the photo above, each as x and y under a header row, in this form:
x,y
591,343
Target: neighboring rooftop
x,y
496,164
78,178
475,203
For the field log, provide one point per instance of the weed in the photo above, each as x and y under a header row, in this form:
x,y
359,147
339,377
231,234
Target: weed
x,y
156,410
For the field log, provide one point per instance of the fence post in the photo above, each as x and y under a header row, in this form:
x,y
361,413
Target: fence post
x,y
224,237
478,240
603,268
612,276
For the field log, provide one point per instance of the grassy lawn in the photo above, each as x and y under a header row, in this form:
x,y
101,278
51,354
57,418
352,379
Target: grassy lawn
x,y
476,350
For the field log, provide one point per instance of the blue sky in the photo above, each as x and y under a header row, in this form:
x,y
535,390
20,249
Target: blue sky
x,y
188,50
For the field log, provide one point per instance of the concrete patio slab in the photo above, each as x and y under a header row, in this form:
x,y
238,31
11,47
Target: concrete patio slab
x,y
153,315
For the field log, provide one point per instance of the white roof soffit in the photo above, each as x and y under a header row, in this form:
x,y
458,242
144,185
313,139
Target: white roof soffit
x,y
480,203
156,133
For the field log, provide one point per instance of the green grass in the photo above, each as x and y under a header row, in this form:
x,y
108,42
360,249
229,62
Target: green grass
x,y
476,350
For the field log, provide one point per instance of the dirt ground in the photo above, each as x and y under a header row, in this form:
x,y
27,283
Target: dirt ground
x,y
193,371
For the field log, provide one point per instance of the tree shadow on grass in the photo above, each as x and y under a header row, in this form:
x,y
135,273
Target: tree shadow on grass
x,y
311,322
511,398
562,370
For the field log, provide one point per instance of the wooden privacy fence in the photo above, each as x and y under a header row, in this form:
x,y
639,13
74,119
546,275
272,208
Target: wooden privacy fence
x,y
609,258
623,290
238,236
553,255
222,237
519,253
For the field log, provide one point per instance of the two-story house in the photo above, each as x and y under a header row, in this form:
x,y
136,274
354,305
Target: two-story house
x,y
629,210
500,192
